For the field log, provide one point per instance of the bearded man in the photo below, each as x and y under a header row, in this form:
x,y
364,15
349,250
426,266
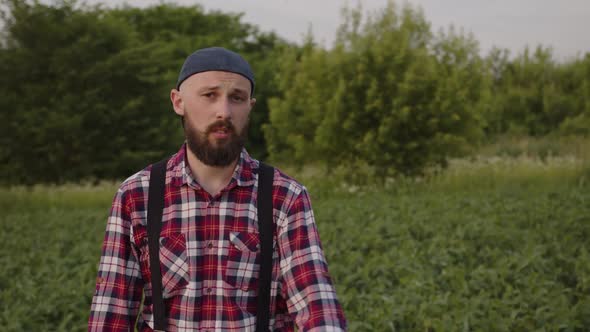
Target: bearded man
x,y
205,273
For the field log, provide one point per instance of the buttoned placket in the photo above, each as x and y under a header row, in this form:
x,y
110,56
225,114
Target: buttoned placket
x,y
208,286
212,204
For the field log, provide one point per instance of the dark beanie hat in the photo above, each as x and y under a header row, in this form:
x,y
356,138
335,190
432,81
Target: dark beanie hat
x,y
218,59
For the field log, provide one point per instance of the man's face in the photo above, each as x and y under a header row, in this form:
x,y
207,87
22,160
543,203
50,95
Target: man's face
x,y
216,107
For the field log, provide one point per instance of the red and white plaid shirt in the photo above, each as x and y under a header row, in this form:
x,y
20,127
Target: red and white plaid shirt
x,y
209,257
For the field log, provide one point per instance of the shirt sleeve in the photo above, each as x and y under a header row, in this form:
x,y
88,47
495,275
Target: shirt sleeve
x,y
310,295
117,296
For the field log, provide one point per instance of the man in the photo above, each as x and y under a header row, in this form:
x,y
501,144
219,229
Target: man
x,y
209,244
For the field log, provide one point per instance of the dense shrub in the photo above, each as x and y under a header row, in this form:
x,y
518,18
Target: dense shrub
x,y
85,90
389,95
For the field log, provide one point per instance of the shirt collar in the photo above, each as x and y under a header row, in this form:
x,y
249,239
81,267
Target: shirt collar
x,y
243,175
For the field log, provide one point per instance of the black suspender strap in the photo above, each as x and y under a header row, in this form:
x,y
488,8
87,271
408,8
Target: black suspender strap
x,y
154,225
266,230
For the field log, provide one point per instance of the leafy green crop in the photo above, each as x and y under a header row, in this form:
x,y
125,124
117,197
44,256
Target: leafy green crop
x,y
491,260
411,258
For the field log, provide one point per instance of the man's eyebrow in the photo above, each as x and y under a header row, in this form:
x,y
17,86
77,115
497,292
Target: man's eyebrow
x,y
219,87
239,90
210,88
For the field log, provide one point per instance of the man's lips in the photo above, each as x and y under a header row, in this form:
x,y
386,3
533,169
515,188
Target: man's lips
x,y
220,132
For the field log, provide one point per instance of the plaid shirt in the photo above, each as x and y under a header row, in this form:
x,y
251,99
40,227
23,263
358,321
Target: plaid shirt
x,y
209,257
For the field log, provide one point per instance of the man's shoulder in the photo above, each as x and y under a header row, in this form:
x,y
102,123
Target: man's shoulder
x,y
141,179
282,181
138,180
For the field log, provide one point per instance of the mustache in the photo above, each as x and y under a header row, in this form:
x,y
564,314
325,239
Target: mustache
x,y
221,123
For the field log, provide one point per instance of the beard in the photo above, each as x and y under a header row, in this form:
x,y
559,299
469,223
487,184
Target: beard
x,y
220,153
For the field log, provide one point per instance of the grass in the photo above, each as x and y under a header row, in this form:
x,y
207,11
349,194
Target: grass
x,y
577,147
493,243
503,259
495,172
74,196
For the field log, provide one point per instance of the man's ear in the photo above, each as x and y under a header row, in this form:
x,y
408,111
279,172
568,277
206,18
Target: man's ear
x,y
177,102
252,103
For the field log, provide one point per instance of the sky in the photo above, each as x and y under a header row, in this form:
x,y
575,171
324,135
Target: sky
x,y
563,25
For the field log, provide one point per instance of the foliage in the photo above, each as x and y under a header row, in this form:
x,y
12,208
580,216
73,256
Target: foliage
x,y
565,146
535,95
85,89
466,251
72,90
506,260
389,95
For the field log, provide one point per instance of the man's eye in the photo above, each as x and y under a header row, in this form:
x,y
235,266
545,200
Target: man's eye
x,y
237,98
209,94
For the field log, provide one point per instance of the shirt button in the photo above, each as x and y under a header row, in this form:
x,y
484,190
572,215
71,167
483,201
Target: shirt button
x,y
210,245
209,290
163,241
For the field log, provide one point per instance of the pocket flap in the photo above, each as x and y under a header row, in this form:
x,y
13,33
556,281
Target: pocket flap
x,y
245,241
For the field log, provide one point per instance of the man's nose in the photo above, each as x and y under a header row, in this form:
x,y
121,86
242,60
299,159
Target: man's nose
x,y
223,110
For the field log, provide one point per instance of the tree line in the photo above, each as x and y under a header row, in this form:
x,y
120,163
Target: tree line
x,y
84,90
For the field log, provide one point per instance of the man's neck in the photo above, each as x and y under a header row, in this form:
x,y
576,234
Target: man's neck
x,y
212,179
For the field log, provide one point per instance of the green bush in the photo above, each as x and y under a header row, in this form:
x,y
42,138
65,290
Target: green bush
x,y
579,125
389,95
536,95
85,90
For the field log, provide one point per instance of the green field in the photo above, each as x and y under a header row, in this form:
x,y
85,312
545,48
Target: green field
x,y
489,245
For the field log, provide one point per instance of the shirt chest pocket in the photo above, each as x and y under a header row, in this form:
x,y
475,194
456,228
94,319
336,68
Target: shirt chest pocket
x,y
173,264
243,261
